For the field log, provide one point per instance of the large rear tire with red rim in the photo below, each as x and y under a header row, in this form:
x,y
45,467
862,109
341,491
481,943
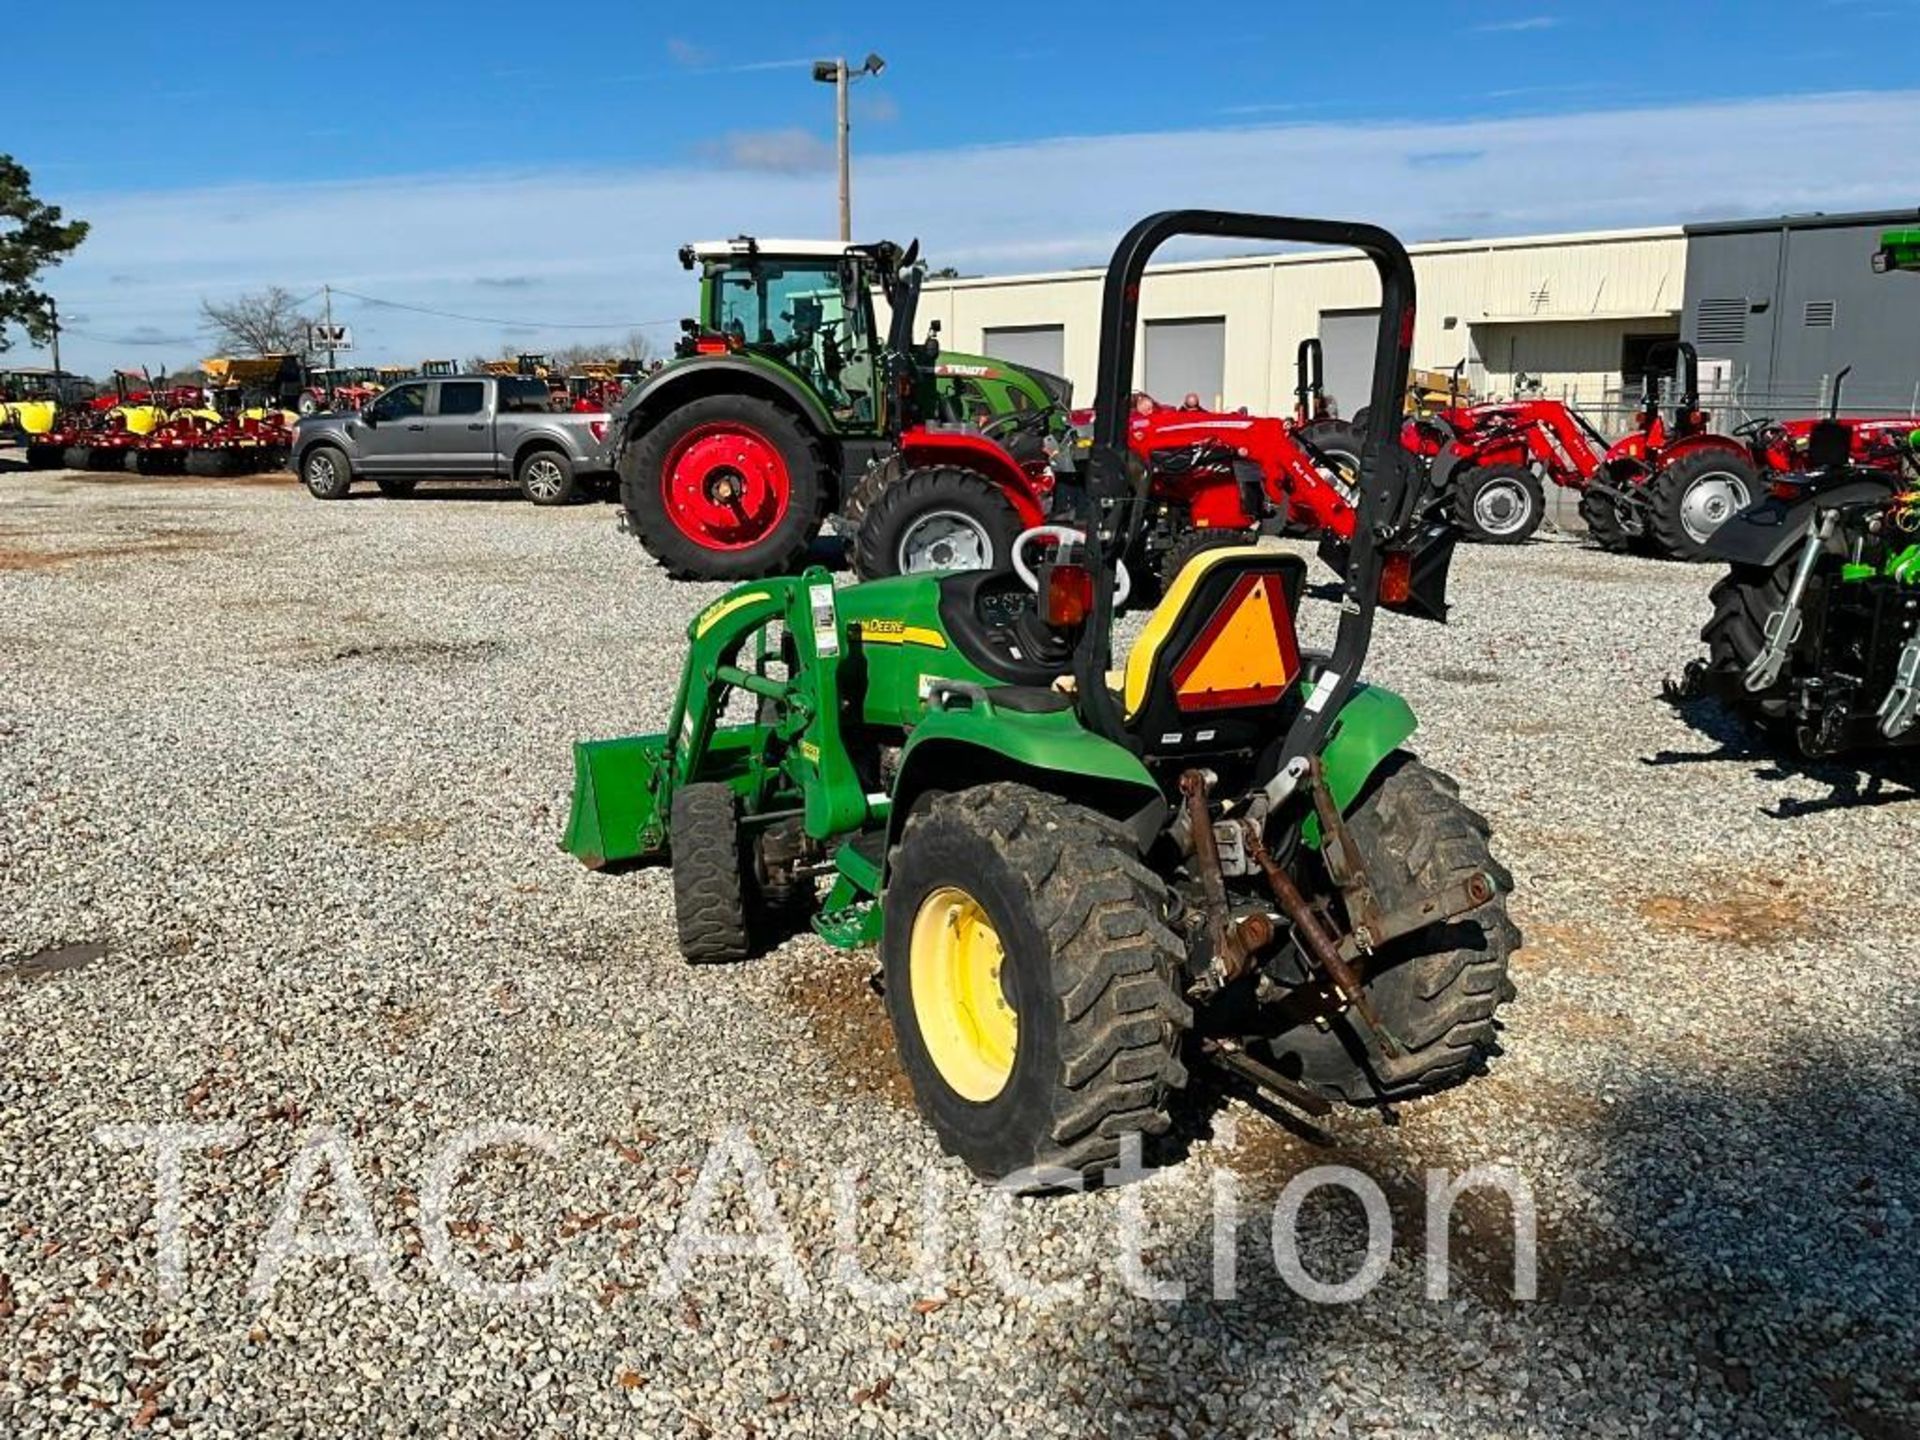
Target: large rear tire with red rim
x,y
725,488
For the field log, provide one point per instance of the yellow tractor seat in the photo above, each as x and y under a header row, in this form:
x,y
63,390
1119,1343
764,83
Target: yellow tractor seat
x,y
1217,665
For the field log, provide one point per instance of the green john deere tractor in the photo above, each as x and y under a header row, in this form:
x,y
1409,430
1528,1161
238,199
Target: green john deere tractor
x,y
785,403
1086,878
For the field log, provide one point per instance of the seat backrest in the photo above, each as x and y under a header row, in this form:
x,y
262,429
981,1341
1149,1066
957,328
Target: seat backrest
x,y
1215,665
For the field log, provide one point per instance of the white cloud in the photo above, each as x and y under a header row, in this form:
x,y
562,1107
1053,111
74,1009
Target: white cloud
x,y
598,246
791,151
1520,26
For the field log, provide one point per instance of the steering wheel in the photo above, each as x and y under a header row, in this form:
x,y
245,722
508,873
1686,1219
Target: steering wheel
x,y
1758,426
1122,585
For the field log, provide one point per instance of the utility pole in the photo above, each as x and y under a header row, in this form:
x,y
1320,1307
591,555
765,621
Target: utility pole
x,y
326,292
844,134
836,74
53,307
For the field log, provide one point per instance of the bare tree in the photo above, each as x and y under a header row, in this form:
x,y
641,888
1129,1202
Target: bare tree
x,y
263,322
640,347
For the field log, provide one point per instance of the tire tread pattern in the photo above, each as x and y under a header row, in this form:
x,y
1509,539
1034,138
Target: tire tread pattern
x,y
709,891
1114,960
1416,813
682,557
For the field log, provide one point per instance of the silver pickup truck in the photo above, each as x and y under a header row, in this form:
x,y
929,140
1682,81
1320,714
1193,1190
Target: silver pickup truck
x,y
463,427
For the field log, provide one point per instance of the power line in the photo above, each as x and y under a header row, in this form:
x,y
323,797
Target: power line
x,y
497,320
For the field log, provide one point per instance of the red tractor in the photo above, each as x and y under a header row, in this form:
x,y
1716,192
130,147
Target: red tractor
x,y
1671,484
1672,481
1494,459
965,493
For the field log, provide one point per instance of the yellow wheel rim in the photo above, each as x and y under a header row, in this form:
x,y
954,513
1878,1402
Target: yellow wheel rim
x,y
970,1031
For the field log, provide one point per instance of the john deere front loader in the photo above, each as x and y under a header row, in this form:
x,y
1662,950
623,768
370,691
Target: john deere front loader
x,y
1089,872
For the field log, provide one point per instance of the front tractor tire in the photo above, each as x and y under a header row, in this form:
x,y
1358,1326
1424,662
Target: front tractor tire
x,y
725,488
1499,504
1605,525
1437,989
879,477
709,875
1032,984
938,517
1694,496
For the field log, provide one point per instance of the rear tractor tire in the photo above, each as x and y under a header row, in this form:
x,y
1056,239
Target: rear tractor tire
x,y
1194,544
1743,601
940,517
1032,983
1437,989
1338,443
1499,504
726,488
1694,496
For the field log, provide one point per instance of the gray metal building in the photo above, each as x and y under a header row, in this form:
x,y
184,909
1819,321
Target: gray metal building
x,y
1777,308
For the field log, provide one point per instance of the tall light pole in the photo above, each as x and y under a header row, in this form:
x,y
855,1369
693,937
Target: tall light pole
x,y
836,74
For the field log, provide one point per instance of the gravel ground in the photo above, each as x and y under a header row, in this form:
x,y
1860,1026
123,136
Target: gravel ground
x,y
280,786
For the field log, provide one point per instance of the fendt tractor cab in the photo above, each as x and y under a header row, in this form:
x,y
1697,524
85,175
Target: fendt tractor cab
x,y
785,401
1088,872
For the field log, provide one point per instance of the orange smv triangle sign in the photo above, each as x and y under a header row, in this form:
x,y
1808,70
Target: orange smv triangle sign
x,y
1245,656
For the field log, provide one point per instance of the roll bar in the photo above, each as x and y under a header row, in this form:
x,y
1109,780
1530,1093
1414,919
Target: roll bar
x,y
1118,489
1309,377
1682,362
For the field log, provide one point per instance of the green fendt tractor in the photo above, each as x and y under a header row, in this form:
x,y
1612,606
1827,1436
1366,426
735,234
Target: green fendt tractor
x,y
785,403
1085,879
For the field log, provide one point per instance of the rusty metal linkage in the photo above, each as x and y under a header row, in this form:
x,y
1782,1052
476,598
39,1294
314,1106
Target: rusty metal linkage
x,y
1230,1056
1233,945
1321,944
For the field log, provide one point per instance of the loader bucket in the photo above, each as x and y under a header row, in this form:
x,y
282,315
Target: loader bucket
x,y
614,816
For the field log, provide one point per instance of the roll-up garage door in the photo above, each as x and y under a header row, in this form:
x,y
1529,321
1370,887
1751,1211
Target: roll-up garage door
x,y
1043,347
1187,357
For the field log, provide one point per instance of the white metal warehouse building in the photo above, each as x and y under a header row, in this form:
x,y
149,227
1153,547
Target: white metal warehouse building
x,y
1572,312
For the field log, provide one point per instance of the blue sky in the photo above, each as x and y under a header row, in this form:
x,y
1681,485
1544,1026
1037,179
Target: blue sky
x,y
538,165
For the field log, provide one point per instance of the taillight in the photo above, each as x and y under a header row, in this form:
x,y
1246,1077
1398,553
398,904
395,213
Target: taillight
x,y
1069,594
599,429
1396,578
1785,490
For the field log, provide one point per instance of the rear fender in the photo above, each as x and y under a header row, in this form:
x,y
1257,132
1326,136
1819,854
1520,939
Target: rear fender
x,y
1371,726
685,381
1765,534
957,749
1693,444
1446,465
922,447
